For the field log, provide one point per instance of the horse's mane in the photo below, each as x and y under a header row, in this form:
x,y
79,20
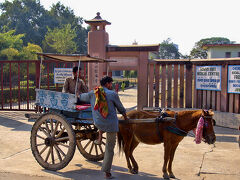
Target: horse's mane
x,y
135,114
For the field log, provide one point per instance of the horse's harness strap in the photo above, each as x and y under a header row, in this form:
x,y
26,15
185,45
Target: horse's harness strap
x,y
158,120
176,130
161,119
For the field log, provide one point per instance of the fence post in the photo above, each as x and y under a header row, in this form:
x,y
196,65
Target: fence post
x,y
150,85
175,86
224,99
142,95
37,65
2,85
163,86
188,94
157,85
169,85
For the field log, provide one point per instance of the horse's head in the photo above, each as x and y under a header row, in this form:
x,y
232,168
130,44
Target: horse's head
x,y
208,131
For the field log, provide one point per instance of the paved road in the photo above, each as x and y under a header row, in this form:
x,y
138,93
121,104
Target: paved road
x,y
191,162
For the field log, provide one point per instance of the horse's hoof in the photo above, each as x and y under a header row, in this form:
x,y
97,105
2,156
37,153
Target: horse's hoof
x,y
133,171
165,176
171,175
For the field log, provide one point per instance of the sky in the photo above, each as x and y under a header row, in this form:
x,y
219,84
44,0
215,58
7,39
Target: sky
x,y
185,22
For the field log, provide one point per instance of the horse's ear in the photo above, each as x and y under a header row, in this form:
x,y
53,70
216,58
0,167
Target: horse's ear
x,y
210,112
203,112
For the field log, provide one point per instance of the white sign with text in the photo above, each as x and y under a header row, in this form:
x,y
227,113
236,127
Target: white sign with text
x,y
234,79
60,74
208,78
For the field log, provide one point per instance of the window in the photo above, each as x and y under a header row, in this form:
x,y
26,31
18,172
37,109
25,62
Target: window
x,y
227,54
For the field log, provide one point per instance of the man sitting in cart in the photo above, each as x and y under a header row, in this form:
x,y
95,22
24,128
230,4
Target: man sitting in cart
x,y
70,84
104,102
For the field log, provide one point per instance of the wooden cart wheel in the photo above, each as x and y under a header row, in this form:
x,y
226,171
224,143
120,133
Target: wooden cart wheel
x,y
87,147
53,141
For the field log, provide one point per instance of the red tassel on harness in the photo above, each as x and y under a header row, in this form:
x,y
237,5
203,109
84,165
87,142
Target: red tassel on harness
x,y
199,131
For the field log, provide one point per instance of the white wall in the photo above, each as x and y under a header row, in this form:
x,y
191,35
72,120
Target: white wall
x,y
219,52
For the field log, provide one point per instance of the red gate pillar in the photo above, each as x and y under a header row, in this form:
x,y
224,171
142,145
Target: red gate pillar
x,y
97,41
142,96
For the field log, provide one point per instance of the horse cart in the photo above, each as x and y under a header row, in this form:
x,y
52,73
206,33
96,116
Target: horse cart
x,y
64,125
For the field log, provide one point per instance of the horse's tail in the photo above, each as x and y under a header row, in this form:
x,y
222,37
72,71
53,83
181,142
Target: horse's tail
x,y
120,142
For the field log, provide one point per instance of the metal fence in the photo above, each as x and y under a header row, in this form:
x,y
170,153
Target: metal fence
x,y
20,78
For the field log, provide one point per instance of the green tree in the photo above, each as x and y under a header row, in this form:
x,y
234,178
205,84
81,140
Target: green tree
x,y
126,74
11,47
10,53
199,52
26,17
133,74
168,50
62,15
62,39
30,18
30,51
10,40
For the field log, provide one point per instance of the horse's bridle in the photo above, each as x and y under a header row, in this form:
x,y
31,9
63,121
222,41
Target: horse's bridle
x,y
205,125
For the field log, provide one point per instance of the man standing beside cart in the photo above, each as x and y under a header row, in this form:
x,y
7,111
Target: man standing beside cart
x,y
70,84
104,103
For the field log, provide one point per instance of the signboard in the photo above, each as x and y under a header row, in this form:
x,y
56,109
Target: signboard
x,y
60,74
208,78
95,74
234,79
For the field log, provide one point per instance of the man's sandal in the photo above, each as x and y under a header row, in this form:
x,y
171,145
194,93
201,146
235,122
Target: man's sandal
x,y
109,176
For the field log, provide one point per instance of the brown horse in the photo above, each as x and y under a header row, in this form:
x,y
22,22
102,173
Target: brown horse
x,y
131,134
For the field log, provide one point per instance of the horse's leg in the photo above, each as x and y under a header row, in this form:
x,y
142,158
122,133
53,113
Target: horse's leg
x,y
167,149
173,150
126,148
134,163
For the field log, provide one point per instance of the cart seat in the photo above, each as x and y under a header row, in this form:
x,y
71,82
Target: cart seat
x,y
83,107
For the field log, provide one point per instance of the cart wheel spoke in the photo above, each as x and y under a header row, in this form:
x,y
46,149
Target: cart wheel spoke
x,y
52,155
40,137
56,127
63,145
43,130
58,154
100,147
96,149
103,143
60,150
91,148
43,150
40,144
51,122
48,130
60,133
48,154
87,144
62,139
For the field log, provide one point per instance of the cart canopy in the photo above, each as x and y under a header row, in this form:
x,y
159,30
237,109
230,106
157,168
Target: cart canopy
x,y
73,57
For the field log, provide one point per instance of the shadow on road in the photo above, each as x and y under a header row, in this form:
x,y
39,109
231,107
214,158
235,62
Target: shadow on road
x,y
117,171
13,122
226,134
